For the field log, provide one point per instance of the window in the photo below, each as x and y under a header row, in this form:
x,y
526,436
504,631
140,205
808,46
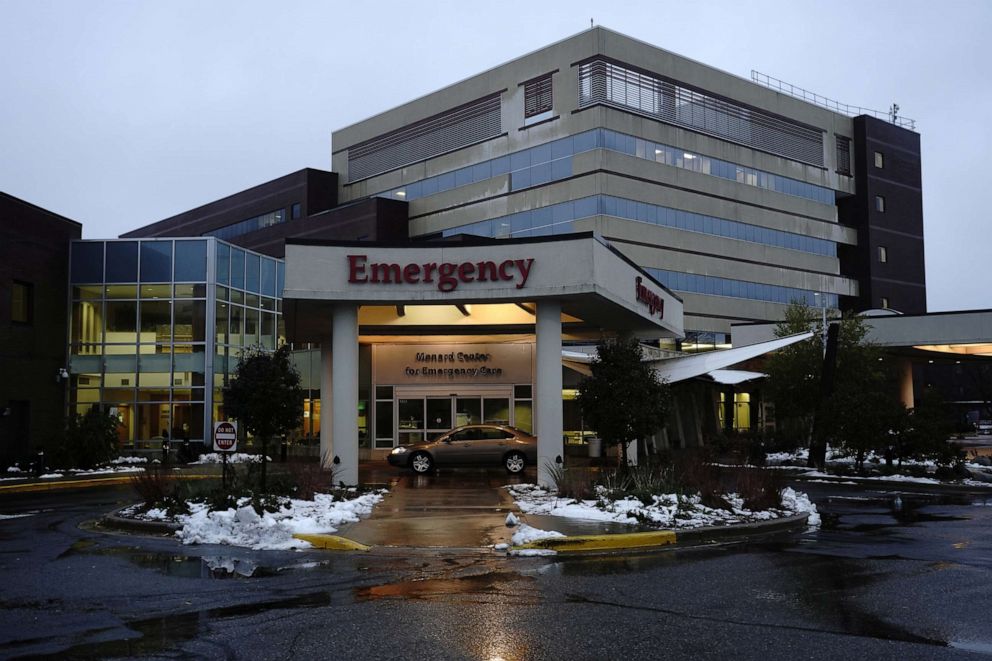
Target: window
x,y
21,303
879,204
296,210
885,302
879,160
843,155
883,255
537,99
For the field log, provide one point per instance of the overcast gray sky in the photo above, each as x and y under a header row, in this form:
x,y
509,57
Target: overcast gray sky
x,y
117,114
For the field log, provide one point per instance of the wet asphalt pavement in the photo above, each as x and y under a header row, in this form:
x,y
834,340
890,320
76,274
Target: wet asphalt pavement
x,y
890,576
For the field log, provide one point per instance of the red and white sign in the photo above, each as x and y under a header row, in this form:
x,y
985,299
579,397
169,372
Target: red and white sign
x,y
225,436
448,274
652,298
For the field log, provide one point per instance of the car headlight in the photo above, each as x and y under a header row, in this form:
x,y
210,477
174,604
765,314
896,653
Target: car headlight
x,y
398,451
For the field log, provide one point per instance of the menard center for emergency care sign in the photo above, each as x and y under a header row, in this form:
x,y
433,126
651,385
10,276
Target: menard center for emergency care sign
x,y
444,364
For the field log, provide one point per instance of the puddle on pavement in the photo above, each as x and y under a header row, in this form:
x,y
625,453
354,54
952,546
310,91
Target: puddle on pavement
x,y
430,588
188,566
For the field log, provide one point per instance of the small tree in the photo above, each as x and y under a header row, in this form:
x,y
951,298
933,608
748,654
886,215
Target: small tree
x,y
928,429
623,400
90,439
265,396
794,372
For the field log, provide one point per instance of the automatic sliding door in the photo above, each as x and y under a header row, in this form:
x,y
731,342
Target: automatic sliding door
x,y
468,411
496,410
411,420
438,416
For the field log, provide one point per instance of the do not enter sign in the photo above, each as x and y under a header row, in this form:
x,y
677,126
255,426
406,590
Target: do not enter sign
x,y
225,436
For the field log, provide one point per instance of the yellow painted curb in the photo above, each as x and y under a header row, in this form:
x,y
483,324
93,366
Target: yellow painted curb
x,y
332,542
584,543
95,482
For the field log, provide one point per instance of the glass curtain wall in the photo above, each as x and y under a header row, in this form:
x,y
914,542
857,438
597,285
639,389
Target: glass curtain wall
x,y
142,323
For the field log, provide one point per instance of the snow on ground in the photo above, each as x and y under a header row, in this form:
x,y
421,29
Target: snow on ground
x,y
107,470
894,478
232,458
841,457
47,476
129,460
526,534
272,531
667,510
15,516
15,469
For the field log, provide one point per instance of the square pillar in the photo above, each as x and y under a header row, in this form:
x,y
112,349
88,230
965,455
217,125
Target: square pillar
x,y
344,394
326,414
547,402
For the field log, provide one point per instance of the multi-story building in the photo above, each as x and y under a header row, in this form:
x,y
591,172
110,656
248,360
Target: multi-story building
x,y
737,196
34,257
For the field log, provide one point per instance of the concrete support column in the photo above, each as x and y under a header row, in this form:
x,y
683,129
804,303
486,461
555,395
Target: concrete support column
x,y
548,399
326,415
344,393
906,384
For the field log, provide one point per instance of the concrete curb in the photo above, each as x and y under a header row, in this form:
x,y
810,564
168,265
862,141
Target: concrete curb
x,y
56,484
112,520
645,541
332,542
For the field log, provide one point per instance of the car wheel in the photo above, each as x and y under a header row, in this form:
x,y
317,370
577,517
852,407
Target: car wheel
x,y
514,462
421,462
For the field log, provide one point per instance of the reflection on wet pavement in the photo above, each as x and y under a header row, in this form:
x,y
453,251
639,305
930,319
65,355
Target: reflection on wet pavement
x,y
489,583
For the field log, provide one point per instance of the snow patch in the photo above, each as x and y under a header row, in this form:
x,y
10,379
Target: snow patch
x,y
665,511
232,458
243,526
799,502
526,534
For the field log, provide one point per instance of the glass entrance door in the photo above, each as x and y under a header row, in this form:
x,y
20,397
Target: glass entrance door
x,y
424,414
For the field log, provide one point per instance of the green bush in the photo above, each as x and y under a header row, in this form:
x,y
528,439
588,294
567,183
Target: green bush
x,y
89,440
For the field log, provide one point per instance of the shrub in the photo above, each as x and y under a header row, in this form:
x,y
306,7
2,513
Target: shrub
x,y
88,440
698,476
153,486
309,478
572,482
760,489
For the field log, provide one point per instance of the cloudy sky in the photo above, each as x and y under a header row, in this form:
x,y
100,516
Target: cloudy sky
x,y
120,113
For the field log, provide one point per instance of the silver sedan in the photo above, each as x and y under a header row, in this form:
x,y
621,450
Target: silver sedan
x,y
470,445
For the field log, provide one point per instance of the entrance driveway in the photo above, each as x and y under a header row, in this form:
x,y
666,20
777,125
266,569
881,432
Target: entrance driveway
x,y
454,508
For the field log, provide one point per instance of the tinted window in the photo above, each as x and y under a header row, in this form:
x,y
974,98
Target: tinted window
x,y
191,261
87,262
251,272
122,261
237,268
268,277
223,263
156,261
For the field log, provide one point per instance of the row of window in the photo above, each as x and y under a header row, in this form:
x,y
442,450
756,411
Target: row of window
x,y
243,269
138,261
674,156
255,223
551,162
609,83
552,154
714,286
163,327
557,219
